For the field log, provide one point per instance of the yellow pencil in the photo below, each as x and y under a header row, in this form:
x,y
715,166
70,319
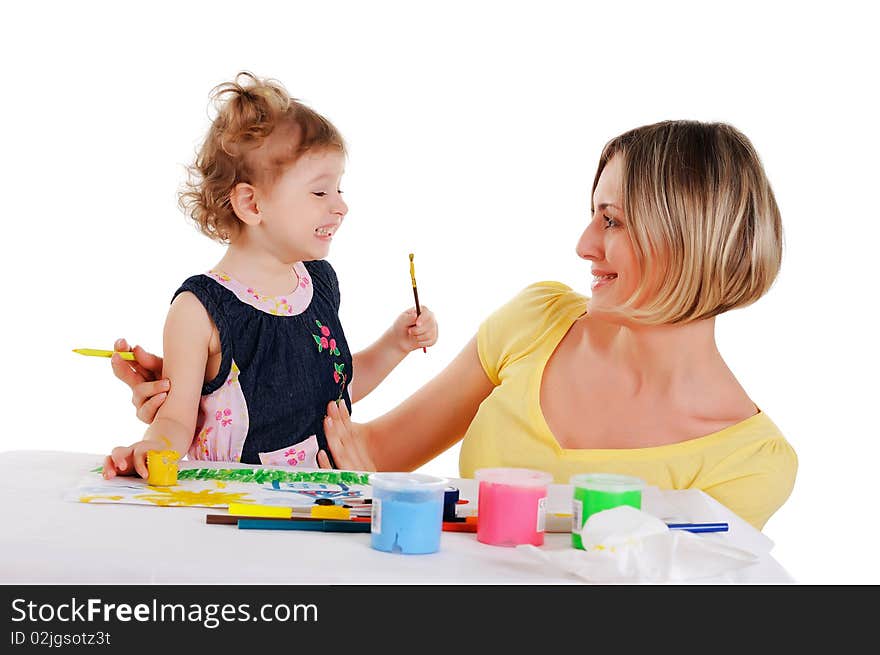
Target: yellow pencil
x,y
92,352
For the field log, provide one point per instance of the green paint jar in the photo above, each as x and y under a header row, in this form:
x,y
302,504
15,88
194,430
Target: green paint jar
x,y
594,492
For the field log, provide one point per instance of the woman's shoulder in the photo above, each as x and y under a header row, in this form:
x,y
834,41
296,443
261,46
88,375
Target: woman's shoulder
x,y
750,447
539,306
547,298
536,316
751,470
757,432
761,434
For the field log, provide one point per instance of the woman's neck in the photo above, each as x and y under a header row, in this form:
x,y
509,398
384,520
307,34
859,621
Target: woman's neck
x,y
664,358
258,268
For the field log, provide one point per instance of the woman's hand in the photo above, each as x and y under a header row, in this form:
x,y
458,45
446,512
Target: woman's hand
x,y
144,378
347,441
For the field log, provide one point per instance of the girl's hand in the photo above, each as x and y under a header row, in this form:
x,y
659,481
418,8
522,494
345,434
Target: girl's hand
x,y
412,332
347,441
144,378
129,460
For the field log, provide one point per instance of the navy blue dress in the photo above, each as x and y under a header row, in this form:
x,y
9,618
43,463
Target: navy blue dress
x,y
289,359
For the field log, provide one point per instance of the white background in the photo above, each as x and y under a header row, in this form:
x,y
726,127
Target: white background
x,y
474,131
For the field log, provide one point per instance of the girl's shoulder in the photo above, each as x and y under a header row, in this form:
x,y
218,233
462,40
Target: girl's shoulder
x,y
322,273
200,284
320,267
324,280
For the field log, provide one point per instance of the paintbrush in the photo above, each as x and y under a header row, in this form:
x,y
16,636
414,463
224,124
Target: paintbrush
x,y
412,275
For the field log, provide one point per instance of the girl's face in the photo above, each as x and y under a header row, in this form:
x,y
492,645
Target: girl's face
x,y
607,244
304,208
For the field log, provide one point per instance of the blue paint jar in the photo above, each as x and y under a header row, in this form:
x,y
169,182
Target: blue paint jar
x,y
407,512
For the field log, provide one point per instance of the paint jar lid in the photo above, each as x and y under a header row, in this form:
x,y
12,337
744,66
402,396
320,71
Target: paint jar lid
x,y
514,476
611,482
407,482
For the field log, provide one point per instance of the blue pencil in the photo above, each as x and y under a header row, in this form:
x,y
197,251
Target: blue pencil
x,y
327,525
699,527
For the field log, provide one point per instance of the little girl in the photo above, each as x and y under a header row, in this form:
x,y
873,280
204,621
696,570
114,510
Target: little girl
x,y
254,350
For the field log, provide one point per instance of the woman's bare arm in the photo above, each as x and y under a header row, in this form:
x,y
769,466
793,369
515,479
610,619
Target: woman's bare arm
x,y
421,427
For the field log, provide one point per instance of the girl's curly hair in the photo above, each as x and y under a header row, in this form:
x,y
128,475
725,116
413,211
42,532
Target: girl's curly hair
x,y
258,131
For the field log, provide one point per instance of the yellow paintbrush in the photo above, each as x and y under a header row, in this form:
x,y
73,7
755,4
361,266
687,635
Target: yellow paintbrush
x,y
412,274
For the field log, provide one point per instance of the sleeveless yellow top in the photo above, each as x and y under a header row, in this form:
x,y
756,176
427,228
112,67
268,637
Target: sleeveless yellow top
x,y
748,467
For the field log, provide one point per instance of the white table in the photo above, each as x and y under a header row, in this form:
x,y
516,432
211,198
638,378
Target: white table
x,y
46,539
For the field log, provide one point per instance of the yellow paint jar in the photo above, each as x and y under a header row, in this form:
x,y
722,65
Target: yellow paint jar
x,y
162,465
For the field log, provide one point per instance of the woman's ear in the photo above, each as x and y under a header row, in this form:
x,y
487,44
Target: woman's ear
x,y
243,199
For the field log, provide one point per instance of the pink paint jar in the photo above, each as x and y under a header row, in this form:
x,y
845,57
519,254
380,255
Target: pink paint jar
x,y
512,506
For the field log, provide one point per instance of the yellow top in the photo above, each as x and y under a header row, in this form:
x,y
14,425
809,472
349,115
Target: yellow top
x,y
748,467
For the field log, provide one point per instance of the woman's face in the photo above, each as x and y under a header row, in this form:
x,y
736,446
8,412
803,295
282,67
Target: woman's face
x,y
607,244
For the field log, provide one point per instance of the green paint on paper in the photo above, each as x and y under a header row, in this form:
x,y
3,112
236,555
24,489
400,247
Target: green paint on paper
x,y
261,476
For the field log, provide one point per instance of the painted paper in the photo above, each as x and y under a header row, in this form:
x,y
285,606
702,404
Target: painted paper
x,y
216,484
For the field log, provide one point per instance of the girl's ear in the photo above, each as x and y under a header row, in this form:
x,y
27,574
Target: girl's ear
x,y
243,199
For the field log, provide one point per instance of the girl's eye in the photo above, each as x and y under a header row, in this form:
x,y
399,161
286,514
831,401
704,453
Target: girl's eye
x,y
610,222
320,194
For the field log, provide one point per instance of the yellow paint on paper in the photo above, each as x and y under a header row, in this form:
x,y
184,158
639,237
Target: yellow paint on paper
x,y
165,497
88,499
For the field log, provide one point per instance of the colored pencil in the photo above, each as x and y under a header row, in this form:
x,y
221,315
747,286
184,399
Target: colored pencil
x,y
94,352
561,522
325,525
230,519
699,527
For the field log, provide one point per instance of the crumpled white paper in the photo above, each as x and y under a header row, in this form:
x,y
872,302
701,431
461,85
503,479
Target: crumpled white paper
x,y
624,544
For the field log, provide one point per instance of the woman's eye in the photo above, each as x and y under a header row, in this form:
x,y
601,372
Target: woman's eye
x,y
320,194
610,222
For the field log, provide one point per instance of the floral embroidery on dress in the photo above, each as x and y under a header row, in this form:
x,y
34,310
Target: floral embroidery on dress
x,y
233,374
201,443
273,304
324,342
224,417
294,456
223,422
301,454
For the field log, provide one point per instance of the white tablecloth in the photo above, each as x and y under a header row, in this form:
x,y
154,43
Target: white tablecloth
x,y
46,539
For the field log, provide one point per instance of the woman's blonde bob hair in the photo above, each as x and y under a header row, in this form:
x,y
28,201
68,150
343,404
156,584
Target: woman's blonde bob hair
x,y
258,131
702,218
